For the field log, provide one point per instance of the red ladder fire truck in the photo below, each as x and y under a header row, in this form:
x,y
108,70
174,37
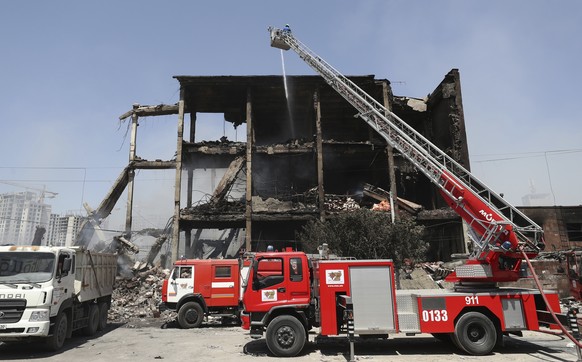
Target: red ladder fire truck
x,y
287,294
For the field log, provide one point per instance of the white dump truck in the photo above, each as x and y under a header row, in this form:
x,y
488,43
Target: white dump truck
x,y
48,292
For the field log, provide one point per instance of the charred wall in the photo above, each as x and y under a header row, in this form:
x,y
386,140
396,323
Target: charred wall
x,y
284,156
562,225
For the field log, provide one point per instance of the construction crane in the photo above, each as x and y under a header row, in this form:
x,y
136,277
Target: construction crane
x,y
501,232
43,191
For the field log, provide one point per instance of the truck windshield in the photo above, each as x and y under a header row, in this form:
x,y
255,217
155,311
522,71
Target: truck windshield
x,y
26,267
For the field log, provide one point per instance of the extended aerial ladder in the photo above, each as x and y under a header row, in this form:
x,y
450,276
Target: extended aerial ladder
x,y
501,231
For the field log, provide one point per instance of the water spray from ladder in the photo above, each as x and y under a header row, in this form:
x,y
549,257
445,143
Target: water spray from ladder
x,y
291,125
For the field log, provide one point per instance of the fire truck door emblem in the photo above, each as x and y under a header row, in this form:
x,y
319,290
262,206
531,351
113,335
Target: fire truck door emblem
x,y
269,296
334,277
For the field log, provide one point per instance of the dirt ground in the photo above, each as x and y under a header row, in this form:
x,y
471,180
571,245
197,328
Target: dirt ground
x,y
152,339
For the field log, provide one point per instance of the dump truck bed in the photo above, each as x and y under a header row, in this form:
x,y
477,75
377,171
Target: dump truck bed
x,y
94,274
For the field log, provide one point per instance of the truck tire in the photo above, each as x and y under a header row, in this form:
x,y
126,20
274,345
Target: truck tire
x,y
56,339
92,321
475,333
285,336
103,311
190,315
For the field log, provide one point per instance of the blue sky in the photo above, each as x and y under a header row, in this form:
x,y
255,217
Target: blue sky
x,y
69,69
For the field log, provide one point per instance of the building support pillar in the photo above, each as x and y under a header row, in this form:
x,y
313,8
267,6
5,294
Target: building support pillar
x,y
188,246
178,181
390,153
249,185
319,145
131,173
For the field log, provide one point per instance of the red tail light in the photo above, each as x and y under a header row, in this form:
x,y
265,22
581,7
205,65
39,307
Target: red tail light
x,y
165,291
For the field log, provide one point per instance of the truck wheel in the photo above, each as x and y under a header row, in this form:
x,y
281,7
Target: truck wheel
x,y
93,321
190,315
103,310
475,334
56,340
285,336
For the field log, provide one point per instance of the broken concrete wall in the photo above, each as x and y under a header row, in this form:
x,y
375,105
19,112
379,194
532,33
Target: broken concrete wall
x,y
551,276
447,122
562,225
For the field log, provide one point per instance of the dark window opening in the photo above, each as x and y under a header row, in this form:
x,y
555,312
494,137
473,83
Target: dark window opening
x,y
574,231
222,272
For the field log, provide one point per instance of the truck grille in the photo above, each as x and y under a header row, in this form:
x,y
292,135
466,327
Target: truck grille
x,y
11,310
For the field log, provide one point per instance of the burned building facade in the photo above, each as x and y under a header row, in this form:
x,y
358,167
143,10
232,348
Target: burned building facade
x,y
562,225
307,155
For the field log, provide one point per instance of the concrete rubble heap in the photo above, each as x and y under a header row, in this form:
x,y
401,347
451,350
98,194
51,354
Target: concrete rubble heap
x,y
138,296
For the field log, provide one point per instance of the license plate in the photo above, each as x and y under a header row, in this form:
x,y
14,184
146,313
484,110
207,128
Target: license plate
x,y
2,326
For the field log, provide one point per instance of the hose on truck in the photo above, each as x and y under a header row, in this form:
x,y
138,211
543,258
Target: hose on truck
x,y
552,313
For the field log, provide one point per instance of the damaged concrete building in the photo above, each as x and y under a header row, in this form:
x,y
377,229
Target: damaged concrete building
x,y
306,156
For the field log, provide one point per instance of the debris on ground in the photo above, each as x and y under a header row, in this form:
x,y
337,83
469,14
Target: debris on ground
x,y
424,275
139,296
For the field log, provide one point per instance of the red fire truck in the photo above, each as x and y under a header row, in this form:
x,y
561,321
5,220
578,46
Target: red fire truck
x,y
197,288
358,297
287,294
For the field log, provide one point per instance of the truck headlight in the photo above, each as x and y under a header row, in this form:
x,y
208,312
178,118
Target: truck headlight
x,y
39,316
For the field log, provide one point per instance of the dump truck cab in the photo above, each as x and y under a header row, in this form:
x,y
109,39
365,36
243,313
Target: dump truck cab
x,y
48,292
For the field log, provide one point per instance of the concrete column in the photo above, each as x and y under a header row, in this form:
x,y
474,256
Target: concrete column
x,y
131,173
249,186
178,183
188,231
319,145
390,152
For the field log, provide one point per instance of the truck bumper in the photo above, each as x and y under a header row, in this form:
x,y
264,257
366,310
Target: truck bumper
x,y
23,330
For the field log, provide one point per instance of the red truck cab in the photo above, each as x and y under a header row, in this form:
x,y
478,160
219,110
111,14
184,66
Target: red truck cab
x,y
197,288
277,283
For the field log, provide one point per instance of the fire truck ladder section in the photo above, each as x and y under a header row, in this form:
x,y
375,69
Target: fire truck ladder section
x,y
454,182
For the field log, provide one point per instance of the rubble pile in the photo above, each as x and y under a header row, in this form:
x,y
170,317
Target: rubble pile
x,y
340,203
272,205
423,276
437,270
221,207
443,213
138,296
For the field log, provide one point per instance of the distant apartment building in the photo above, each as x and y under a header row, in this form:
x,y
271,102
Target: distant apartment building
x,y
63,229
21,213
